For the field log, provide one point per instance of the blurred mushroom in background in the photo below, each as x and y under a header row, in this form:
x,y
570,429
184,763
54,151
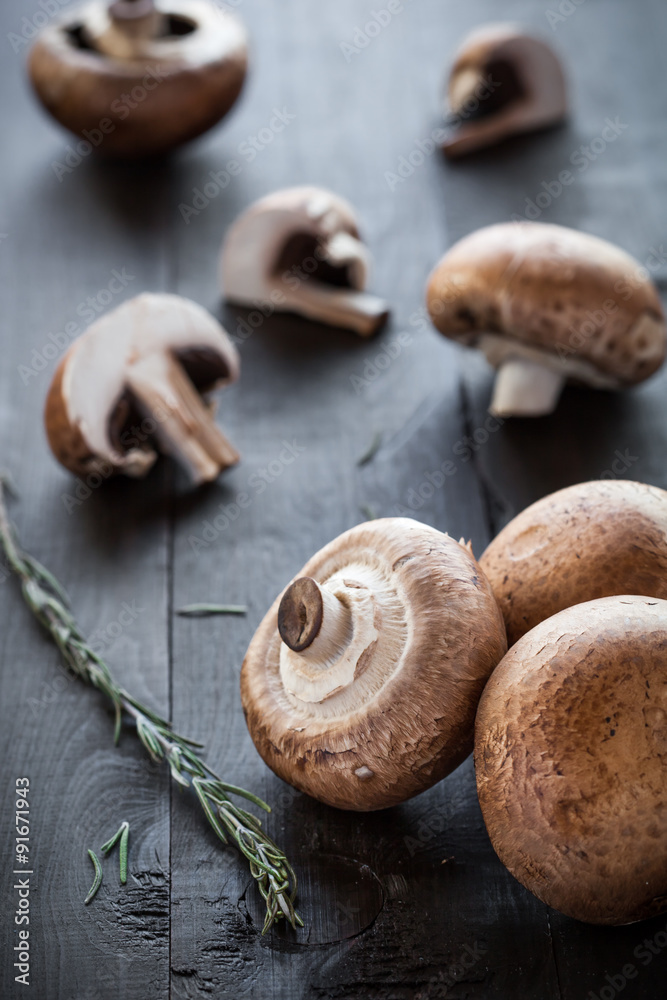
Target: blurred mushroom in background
x,y
298,250
503,82
546,305
138,77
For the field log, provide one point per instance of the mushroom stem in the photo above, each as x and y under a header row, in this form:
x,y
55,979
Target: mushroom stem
x,y
463,87
345,249
130,24
344,307
313,621
184,425
525,388
135,16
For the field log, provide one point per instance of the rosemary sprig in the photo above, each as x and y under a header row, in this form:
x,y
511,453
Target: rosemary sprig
x,y
268,864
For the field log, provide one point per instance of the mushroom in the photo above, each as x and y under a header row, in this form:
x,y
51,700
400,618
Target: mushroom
x,y
570,750
137,78
503,82
361,683
298,250
591,540
545,304
132,382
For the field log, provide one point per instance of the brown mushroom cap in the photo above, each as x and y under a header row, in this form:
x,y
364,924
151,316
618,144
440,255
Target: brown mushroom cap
x,y
179,84
503,82
133,380
402,631
557,298
591,540
570,755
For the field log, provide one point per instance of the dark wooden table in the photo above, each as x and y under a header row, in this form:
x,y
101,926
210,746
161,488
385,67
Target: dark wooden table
x,y
407,903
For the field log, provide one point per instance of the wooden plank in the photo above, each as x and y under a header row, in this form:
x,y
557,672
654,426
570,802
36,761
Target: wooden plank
x,y
406,903
592,435
64,241
402,923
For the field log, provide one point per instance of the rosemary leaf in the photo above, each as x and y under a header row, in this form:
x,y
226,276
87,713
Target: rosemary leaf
x,y
122,834
124,841
272,872
105,848
98,878
235,790
204,610
372,449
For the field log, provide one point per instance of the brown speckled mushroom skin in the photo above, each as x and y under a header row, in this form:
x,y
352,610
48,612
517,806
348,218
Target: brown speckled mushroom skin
x,y
81,88
419,725
553,288
571,760
587,541
65,439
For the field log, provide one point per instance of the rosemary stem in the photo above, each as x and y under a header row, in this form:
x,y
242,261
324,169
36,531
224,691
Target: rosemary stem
x,y
268,864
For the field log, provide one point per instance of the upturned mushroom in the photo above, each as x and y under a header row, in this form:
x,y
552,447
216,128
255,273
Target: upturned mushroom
x,y
595,539
546,304
570,750
503,82
298,250
137,77
360,685
132,384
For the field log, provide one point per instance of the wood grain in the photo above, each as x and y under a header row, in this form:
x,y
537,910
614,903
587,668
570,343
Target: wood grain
x,y
406,903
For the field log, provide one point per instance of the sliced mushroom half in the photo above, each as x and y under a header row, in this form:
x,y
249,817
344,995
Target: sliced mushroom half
x,y
299,250
591,540
132,383
547,304
137,77
503,82
570,750
360,685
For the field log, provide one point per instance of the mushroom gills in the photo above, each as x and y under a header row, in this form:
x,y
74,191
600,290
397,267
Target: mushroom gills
x,y
331,294
121,42
158,384
325,630
504,87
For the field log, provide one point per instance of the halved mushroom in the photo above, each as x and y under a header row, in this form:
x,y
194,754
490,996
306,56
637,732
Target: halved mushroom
x,y
137,77
360,685
133,381
546,304
298,250
503,82
570,750
591,540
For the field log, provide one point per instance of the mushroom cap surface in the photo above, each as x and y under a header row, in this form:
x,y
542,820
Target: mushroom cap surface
x,y
405,717
183,83
595,539
570,298
571,760
522,82
92,381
